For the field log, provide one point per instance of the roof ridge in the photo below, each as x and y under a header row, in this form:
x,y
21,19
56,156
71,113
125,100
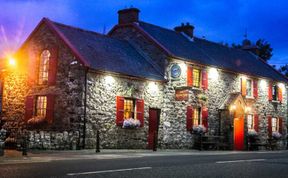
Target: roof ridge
x,y
76,28
197,38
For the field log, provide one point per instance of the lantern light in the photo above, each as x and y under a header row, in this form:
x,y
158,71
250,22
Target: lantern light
x,y
213,73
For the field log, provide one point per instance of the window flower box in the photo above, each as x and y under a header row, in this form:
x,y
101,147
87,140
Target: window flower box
x,y
252,133
36,120
131,123
199,129
276,135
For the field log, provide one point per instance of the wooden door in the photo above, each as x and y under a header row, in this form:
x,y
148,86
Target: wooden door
x,y
238,133
154,115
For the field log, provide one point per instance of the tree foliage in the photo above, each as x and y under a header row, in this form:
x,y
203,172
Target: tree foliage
x,y
265,50
284,70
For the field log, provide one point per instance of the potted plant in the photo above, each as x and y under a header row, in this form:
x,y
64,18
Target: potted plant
x,y
131,123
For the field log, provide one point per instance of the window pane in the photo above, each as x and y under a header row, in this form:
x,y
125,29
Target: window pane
x,y
41,106
274,124
129,108
44,67
196,78
197,119
250,122
249,87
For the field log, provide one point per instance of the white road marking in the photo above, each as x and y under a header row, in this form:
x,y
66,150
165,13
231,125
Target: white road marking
x,y
108,171
240,161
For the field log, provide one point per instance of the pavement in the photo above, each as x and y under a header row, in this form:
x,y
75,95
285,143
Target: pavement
x,y
34,156
144,164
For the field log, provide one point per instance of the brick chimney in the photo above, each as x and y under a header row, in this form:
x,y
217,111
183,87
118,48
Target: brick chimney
x,y
185,28
129,15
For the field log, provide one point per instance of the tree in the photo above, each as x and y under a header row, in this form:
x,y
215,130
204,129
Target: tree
x,y
284,70
265,50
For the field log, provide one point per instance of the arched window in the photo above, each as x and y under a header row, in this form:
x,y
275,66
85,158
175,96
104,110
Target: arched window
x,y
44,67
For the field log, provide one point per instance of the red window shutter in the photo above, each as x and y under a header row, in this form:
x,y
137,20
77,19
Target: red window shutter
x,y
270,91
53,61
140,111
119,110
50,108
204,80
280,125
29,106
243,86
255,88
32,77
205,117
189,76
256,122
189,118
280,94
269,126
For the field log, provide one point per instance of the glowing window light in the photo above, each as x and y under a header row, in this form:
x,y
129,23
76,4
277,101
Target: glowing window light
x,y
263,84
282,86
213,73
109,80
152,87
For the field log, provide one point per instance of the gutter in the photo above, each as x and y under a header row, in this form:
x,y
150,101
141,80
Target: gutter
x,y
85,107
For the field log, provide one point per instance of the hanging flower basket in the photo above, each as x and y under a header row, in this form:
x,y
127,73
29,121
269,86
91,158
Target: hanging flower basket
x,y
131,123
276,135
199,129
202,99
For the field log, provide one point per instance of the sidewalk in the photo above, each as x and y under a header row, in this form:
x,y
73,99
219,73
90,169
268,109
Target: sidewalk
x,y
37,156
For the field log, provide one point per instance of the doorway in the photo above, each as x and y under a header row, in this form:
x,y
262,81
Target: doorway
x,y
154,116
238,124
239,133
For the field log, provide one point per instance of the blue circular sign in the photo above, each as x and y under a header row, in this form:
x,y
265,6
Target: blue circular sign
x,y
175,71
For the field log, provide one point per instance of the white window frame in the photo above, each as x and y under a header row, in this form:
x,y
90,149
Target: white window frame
x,y
275,124
252,124
251,94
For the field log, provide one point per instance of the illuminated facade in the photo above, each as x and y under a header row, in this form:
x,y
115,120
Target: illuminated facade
x,y
139,84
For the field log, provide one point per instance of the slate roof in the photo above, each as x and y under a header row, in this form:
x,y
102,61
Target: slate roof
x,y
210,53
108,54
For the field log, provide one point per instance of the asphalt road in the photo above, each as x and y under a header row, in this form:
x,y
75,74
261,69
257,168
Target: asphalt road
x,y
251,164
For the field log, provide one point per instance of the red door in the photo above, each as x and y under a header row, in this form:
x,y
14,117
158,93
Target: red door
x,y
153,127
238,134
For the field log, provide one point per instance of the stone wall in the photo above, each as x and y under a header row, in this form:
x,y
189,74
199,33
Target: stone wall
x,y
14,91
101,110
69,88
219,88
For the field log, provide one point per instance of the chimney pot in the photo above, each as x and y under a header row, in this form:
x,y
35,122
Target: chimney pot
x,y
185,28
128,15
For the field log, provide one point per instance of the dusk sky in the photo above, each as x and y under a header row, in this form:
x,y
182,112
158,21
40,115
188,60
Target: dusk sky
x,y
219,21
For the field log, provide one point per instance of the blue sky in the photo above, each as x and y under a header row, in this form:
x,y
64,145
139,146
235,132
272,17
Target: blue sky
x,y
219,21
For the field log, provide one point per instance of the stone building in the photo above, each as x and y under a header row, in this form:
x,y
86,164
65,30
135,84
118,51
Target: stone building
x,y
139,85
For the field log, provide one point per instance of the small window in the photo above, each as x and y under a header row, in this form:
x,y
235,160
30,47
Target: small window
x,y
250,122
249,88
44,67
196,78
275,127
41,106
275,92
197,117
129,109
